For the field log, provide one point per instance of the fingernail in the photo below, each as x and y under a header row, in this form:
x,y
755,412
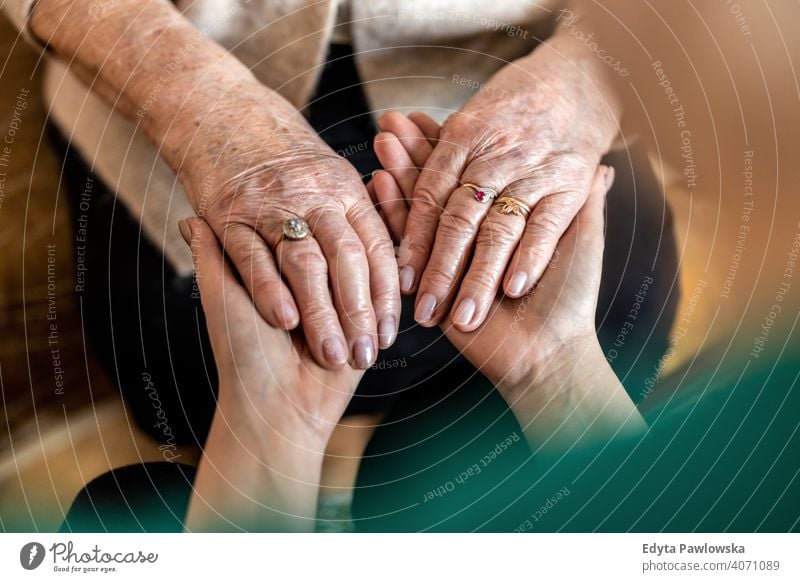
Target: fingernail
x,y
288,314
334,350
425,307
517,284
610,174
186,231
407,279
373,173
387,328
363,353
464,312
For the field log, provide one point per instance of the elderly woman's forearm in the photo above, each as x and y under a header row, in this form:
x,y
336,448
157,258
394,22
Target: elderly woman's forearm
x,y
566,54
154,66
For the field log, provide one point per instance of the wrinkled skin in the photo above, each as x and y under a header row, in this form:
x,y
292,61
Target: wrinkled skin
x,y
540,351
246,179
536,131
545,332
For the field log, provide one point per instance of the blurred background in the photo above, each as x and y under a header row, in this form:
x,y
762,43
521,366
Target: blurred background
x,y
735,202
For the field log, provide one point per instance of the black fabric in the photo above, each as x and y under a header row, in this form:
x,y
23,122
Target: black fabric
x,y
640,290
149,497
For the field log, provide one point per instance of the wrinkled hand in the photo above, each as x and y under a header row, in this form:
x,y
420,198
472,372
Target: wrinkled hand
x,y
250,172
536,131
258,362
519,336
540,351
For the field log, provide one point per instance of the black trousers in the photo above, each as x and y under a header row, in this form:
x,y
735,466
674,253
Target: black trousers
x,y
138,310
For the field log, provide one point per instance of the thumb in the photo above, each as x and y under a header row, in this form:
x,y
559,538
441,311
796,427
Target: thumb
x,y
221,294
582,244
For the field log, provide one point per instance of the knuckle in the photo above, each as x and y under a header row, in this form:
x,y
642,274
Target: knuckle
x,y
417,248
386,300
359,313
546,225
318,317
533,254
425,197
379,246
305,259
437,278
457,221
350,247
266,287
481,282
494,231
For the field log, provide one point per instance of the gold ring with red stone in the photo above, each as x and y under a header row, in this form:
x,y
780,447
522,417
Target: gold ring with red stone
x,y
481,193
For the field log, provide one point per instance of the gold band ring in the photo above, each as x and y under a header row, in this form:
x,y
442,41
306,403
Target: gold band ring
x,y
511,205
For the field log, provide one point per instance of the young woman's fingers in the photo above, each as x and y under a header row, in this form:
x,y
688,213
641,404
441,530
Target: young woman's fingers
x,y
392,202
396,160
414,141
226,303
427,125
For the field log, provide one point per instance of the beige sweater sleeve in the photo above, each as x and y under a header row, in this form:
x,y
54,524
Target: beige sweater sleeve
x,y
19,13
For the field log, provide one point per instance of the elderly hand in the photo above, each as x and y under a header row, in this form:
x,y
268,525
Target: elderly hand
x,y
540,351
249,162
267,363
255,164
535,132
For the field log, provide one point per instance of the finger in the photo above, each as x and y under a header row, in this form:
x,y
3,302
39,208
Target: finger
x,y
497,238
436,182
395,159
392,202
550,217
304,267
220,293
409,134
255,264
586,233
427,125
383,281
455,237
350,280
370,186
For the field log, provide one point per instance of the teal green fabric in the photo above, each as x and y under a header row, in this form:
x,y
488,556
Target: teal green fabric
x,y
722,454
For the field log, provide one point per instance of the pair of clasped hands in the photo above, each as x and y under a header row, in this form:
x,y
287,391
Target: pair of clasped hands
x,y
279,402
535,341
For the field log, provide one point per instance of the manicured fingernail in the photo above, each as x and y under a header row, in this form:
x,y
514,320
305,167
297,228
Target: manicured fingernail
x,y
363,353
288,314
610,174
464,312
425,307
407,279
517,284
387,328
186,231
334,350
